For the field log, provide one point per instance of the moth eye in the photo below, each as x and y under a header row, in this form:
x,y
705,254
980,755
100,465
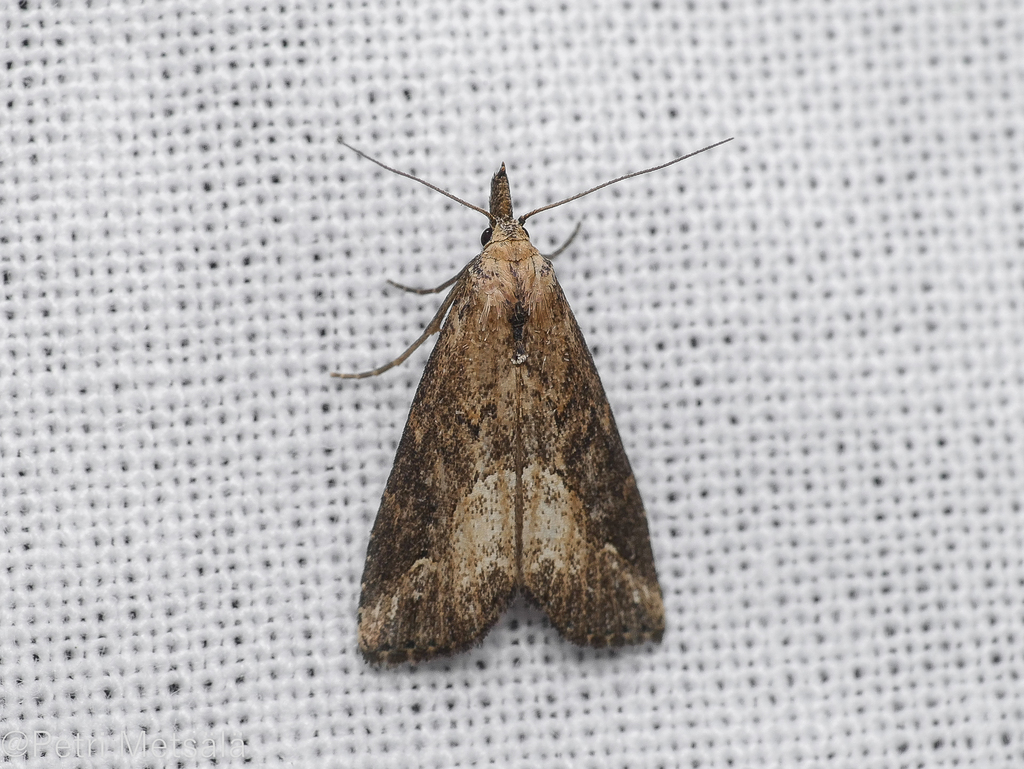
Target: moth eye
x,y
485,236
526,231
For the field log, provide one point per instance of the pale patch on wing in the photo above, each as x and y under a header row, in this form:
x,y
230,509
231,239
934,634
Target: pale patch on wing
x,y
564,568
551,539
483,533
444,601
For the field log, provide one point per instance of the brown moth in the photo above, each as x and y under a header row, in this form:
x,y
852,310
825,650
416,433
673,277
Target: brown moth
x,y
510,476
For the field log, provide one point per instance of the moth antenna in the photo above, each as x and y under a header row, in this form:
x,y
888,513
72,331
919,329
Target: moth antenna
x,y
524,217
421,181
567,243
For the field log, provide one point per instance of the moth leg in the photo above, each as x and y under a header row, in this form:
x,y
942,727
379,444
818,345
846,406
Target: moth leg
x,y
432,328
435,290
567,243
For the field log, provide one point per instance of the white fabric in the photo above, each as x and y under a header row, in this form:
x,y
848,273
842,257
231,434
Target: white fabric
x,y
812,338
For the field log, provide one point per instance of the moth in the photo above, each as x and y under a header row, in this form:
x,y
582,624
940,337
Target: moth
x,y
510,476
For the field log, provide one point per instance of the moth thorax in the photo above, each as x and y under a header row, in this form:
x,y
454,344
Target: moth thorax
x,y
517,319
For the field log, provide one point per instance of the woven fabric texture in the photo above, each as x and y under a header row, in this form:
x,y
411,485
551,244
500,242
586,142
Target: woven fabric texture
x,y
812,339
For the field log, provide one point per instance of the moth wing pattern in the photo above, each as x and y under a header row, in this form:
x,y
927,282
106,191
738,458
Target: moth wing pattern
x,y
586,551
508,476
441,561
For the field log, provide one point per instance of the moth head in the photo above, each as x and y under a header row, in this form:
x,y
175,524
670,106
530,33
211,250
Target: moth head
x,y
503,225
501,196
